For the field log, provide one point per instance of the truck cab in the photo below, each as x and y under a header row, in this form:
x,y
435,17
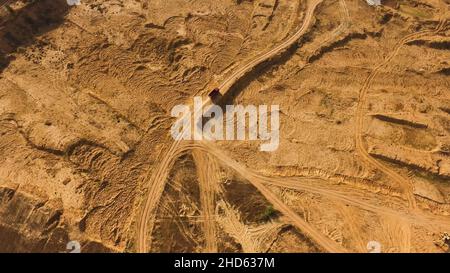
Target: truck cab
x,y
215,95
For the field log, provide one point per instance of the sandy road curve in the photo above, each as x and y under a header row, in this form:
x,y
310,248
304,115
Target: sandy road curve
x,y
317,236
266,56
415,216
404,183
157,179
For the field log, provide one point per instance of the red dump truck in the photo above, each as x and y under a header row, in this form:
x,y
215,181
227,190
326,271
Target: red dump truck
x,y
215,94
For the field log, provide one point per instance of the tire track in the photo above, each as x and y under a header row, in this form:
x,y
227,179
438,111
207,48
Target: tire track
x,y
317,236
207,171
415,216
225,86
404,183
157,180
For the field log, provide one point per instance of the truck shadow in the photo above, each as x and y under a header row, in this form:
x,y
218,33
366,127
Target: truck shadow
x,y
261,69
222,100
23,27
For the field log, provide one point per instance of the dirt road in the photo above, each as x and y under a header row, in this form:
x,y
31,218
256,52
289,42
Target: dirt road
x,y
207,171
321,239
224,87
404,183
416,216
157,180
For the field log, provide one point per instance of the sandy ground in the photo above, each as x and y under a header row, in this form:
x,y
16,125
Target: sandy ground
x,y
86,94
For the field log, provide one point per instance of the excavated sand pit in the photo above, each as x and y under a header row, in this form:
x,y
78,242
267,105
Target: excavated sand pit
x,y
86,154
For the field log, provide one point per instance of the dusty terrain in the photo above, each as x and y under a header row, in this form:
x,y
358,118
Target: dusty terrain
x,y
86,154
